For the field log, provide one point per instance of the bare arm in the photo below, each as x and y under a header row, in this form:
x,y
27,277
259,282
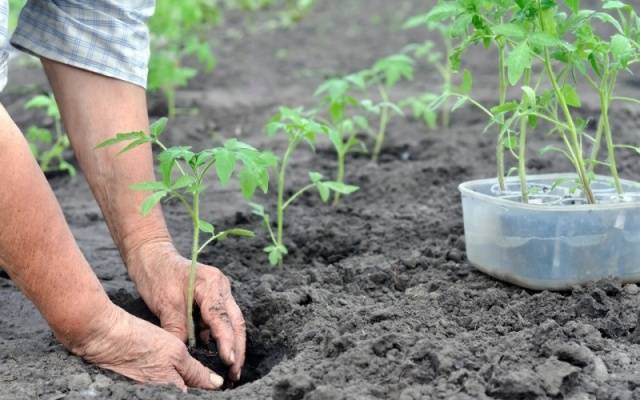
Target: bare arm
x,y
36,247
95,108
40,255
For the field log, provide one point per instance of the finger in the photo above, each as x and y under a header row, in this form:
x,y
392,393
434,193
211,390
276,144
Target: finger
x,y
176,379
196,374
217,319
240,339
175,324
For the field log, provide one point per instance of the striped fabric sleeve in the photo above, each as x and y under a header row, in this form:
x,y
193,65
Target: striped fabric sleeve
x,y
108,37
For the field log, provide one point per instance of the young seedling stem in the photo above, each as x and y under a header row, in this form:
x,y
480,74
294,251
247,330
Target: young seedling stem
x,y
189,185
384,120
502,88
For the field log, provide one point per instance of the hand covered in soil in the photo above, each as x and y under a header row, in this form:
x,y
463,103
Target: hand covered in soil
x,y
143,352
161,277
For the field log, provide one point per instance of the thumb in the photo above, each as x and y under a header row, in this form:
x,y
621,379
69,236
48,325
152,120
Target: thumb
x,y
197,375
175,324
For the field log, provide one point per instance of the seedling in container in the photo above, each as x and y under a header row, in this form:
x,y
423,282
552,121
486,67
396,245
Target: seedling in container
x,y
48,147
188,184
299,127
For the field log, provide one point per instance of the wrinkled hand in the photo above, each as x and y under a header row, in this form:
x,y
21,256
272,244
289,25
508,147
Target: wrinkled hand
x,y
143,352
161,277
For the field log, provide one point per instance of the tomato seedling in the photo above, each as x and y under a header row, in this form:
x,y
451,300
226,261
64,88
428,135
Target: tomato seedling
x,y
178,31
345,120
187,185
564,43
299,127
442,63
48,147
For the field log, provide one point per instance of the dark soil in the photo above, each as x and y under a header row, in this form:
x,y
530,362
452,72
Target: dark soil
x,y
376,300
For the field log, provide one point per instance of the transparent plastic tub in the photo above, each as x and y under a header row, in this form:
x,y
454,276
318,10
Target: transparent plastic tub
x,y
557,240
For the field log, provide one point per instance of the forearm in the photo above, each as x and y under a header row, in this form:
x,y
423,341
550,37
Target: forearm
x,y
37,249
95,108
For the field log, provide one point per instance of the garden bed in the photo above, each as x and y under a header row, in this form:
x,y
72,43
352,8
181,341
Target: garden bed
x,y
376,298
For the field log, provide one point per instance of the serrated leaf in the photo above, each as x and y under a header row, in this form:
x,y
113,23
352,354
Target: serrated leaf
x,y
574,5
518,61
183,182
225,164
121,137
151,186
248,184
541,39
571,96
510,30
341,187
151,202
158,127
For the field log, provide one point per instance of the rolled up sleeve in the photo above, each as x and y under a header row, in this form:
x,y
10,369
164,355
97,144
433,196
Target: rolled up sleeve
x,y
108,37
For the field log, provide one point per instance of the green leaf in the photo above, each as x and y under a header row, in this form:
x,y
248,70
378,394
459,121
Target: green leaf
x,y
467,82
39,101
121,137
574,5
506,107
183,182
276,254
443,11
135,144
621,48
158,127
541,39
239,232
151,186
151,202
613,5
323,190
512,31
571,96
341,187
248,183
205,227
225,164
530,94
518,61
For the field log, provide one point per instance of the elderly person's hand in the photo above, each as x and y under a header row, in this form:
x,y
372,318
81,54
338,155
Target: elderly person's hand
x,y
161,276
141,351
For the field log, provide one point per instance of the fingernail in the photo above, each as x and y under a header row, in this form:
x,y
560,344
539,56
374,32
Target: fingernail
x,y
238,376
232,358
216,380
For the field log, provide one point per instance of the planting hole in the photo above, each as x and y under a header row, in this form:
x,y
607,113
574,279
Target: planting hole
x,y
260,358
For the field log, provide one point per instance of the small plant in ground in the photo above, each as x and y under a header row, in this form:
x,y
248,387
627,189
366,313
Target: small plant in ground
x,y
48,147
345,119
442,63
563,41
178,31
188,184
299,127
384,75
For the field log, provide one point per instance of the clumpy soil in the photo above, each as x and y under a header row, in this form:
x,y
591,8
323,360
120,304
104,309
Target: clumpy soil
x,y
376,300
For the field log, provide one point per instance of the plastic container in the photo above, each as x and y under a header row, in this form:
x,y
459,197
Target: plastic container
x,y
556,240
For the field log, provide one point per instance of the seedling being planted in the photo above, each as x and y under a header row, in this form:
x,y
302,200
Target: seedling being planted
x,y
48,147
299,127
183,176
